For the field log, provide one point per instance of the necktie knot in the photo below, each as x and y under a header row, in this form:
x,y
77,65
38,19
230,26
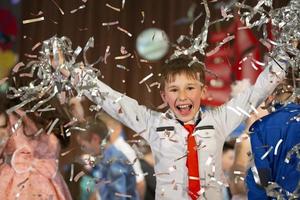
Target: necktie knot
x,y
189,127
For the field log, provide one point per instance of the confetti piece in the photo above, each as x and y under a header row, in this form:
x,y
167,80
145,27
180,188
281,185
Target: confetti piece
x,y
277,146
143,16
110,23
123,195
155,84
123,57
238,172
66,152
254,109
52,126
112,7
39,132
72,172
35,46
208,161
267,153
146,78
243,111
234,110
148,88
79,175
60,10
28,21
122,67
193,178
161,173
124,31
123,4
79,8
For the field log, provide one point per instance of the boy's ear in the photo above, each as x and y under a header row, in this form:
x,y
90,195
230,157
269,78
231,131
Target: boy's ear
x,y
204,92
163,96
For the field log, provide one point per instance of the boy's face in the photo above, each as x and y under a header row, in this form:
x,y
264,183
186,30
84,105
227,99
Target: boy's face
x,y
3,126
183,96
91,146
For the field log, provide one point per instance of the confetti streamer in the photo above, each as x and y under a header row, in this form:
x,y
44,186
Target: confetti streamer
x,y
72,173
79,8
267,153
36,46
112,7
123,195
242,111
143,16
122,67
28,21
124,31
146,78
59,8
79,175
52,126
277,146
110,23
66,152
234,110
123,57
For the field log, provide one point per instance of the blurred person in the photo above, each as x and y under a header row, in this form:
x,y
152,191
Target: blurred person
x,y
242,159
275,144
116,138
147,163
30,167
243,151
111,174
227,162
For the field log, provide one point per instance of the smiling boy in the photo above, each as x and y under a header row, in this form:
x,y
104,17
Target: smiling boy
x,y
186,142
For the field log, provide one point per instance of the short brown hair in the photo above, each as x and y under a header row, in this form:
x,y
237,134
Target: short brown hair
x,y
181,65
94,126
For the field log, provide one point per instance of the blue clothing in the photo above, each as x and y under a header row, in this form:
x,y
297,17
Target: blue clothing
x,y
114,176
266,133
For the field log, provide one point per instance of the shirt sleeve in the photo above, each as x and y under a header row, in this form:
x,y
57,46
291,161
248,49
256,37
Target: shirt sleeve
x,y
231,114
255,192
119,106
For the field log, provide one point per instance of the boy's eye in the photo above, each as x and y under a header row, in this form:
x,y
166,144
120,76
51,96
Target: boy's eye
x,y
190,88
173,90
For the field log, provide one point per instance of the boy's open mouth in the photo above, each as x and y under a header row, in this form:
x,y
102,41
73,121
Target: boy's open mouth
x,y
184,108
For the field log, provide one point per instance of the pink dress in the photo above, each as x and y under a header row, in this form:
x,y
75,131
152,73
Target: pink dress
x,y
30,170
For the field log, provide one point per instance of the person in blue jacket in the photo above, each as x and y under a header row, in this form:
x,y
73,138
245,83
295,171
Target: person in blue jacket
x,y
275,140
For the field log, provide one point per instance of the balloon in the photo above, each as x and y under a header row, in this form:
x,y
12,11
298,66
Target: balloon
x,y
152,44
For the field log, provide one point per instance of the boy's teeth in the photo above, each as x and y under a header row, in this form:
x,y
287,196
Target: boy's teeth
x,y
183,106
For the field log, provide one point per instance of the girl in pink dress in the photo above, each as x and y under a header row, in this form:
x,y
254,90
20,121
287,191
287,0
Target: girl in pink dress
x,y
29,168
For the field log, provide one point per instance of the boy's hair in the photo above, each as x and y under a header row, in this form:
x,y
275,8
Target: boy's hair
x,y
94,126
181,65
229,145
107,119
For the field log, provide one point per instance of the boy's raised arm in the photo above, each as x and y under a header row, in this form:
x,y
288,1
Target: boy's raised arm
x,y
119,106
231,114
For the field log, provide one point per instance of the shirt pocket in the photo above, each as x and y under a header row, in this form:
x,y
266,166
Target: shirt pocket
x,y
167,138
206,139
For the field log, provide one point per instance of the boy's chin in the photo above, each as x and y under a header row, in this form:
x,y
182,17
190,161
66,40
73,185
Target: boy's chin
x,y
186,119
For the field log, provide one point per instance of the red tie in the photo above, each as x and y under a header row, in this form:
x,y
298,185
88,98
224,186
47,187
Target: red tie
x,y
192,163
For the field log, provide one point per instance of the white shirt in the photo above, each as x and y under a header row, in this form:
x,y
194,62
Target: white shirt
x,y
130,154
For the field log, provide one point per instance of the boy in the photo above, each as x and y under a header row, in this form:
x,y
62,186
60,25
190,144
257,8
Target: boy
x,y
113,173
183,134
